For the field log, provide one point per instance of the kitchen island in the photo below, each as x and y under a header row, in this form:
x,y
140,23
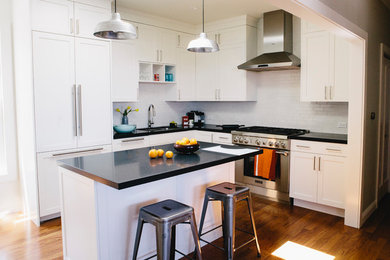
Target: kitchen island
x,y
101,196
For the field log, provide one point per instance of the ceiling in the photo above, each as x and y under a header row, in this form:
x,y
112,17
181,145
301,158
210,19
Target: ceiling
x,y
190,11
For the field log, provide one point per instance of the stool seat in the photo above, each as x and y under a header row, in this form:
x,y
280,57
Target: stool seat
x,y
229,189
167,210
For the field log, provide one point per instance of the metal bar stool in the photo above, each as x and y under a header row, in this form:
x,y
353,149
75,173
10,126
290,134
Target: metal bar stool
x,y
165,215
229,194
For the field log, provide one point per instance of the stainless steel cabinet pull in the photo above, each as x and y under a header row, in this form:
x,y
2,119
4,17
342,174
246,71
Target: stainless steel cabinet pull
x,y
330,92
77,26
326,97
75,109
137,30
80,112
84,151
224,138
303,146
133,140
314,165
319,163
219,38
334,150
284,153
179,94
71,26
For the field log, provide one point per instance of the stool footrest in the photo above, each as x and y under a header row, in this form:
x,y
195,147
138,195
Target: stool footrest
x,y
253,239
218,247
249,233
209,231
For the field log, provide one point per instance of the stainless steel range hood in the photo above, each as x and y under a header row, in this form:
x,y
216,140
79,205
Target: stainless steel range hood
x,y
277,45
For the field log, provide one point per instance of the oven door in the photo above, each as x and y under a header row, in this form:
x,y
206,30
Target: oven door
x,y
245,172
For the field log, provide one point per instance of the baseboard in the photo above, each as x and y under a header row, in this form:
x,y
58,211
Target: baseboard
x,y
367,212
51,216
321,208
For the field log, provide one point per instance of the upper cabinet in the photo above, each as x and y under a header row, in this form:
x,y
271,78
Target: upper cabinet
x,y
156,45
69,18
324,66
217,76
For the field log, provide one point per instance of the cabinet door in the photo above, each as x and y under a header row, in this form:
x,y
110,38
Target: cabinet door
x,y
303,176
54,16
147,46
93,91
87,17
130,143
316,63
169,41
222,138
125,71
339,88
206,76
185,69
331,181
54,91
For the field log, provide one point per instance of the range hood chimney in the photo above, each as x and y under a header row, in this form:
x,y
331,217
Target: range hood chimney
x,y
277,45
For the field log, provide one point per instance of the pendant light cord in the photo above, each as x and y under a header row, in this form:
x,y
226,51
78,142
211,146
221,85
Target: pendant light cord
x,y
115,5
203,15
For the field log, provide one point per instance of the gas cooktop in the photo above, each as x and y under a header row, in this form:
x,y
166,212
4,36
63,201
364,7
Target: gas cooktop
x,y
273,130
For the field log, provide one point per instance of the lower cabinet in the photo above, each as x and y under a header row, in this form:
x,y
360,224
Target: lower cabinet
x,y
48,178
318,175
222,138
130,143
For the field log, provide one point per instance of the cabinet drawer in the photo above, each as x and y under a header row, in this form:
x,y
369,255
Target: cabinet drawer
x,y
130,143
319,147
222,138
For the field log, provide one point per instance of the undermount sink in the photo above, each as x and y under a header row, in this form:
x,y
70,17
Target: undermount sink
x,y
156,129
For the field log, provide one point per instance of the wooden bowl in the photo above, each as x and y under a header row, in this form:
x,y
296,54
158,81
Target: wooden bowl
x,y
186,149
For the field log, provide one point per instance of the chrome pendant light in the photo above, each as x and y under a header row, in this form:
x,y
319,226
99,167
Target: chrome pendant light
x,y
115,29
202,43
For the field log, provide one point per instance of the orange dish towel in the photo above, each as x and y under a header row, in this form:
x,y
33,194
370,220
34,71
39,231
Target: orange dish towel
x,y
265,164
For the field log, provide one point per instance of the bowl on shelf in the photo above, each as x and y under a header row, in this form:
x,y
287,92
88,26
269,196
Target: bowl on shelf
x,y
186,149
124,129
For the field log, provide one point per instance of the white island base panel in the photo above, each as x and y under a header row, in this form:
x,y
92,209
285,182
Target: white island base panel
x,y
100,222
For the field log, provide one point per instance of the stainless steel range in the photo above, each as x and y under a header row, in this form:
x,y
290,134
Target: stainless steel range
x,y
275,139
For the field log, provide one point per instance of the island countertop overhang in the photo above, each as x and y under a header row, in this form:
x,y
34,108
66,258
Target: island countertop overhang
x,y
129,168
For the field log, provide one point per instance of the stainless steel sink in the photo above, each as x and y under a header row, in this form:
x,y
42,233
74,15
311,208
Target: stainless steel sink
x,y
155,129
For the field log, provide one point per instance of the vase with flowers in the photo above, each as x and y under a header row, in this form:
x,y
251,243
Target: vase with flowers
x,y
125,113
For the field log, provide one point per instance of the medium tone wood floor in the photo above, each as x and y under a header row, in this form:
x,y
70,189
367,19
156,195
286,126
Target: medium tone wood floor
x,y
276,224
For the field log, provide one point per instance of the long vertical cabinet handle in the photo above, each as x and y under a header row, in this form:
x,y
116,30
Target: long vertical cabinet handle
x,y
219,38
75,110
137,30
71,25
314,164
319,163
330,92
326,96
77,26
179,94
80,112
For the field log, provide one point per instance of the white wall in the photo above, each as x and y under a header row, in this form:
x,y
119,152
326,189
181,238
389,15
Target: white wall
x,y
10,199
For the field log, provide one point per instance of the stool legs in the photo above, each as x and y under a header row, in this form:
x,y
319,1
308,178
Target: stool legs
x,y
249,201
138,237
173,242
195,235
163,235
229,226
205,204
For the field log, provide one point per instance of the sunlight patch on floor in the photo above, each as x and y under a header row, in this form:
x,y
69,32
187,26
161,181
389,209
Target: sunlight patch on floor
x,y
294,251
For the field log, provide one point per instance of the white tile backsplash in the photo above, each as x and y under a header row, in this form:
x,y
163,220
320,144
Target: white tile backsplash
x,y
278,104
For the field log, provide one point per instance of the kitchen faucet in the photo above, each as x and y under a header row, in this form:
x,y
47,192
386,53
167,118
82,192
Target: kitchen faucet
x,y
151,114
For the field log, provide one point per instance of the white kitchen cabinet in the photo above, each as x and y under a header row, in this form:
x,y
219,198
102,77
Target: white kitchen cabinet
x,y
93,85
317,172
87,17
185,69
72,92
54,92
156,45
324,66
68,17
48,178
222,138
203,136
125,71
130,143
217,75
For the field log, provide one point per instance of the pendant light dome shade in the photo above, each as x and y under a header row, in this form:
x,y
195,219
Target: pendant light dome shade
x,y
202,44
115,29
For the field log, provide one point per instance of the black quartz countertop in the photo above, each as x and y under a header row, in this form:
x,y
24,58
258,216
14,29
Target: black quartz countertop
x,y
166,129
129,168
323,137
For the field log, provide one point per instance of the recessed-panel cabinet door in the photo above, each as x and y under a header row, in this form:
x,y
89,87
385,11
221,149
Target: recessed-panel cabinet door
x,y
331,181
316,62
54,16
147,46
93,91
87,17
169,41
303,176
206,76
340,87
55,113
185,68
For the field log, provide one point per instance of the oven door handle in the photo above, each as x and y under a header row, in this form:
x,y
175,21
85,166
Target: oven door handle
x,y
284,153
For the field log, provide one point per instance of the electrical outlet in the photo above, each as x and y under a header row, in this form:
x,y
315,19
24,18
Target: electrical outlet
x,y
342,124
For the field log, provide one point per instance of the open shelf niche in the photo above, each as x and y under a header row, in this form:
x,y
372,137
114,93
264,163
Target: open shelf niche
x,y
159,73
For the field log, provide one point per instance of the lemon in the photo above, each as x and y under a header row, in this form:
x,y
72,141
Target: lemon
x,y
153,153
185,141
160,152
178,142
193,141
169,154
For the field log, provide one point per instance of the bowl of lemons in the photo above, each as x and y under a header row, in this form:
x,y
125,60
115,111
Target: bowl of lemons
x,y
186,146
